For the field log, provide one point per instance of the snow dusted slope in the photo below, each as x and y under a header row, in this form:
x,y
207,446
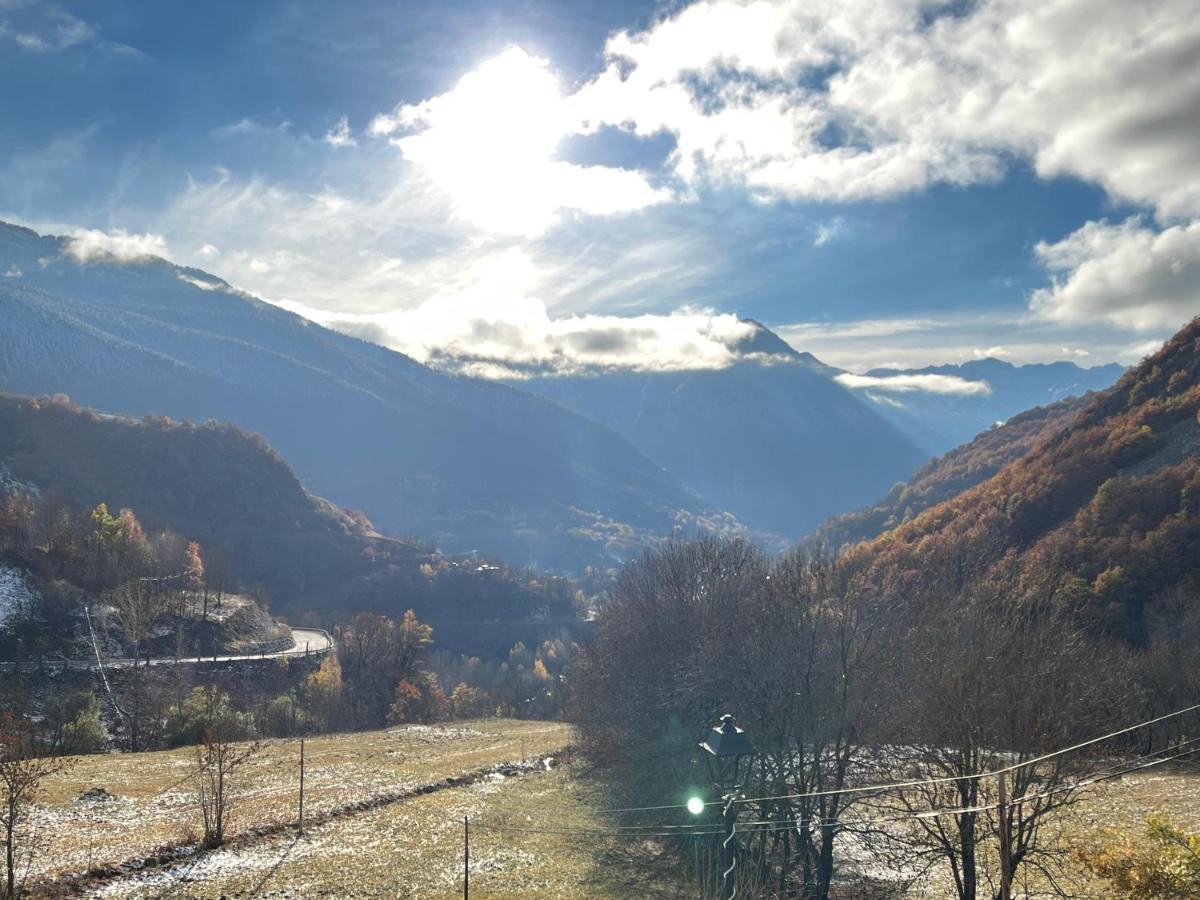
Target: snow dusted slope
x,y
16,596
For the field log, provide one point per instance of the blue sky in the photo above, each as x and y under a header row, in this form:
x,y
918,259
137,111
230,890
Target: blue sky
x,y
883,181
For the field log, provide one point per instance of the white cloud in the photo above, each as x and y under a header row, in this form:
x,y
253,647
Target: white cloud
x,y
801,333
905,384
13,271
89,244
488,145
903,343
828,231
1104,91
472,332
339,135
59,31
248,127
203,284
208,251
1126,274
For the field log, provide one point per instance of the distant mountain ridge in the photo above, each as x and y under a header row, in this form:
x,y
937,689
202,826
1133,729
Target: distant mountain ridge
x,y
465,463
783,440
772,438
940,421
561,470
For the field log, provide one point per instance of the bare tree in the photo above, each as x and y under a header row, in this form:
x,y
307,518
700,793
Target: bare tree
x,y
219,756
992,684
22,772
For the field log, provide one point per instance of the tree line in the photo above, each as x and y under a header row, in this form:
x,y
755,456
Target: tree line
x,y
844,678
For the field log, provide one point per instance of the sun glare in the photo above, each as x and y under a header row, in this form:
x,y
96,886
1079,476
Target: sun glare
x,y
489,141
489,144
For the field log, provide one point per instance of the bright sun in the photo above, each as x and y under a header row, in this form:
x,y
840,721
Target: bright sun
x,y
489,144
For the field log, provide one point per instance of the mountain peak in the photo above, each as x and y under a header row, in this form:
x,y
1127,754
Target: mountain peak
x,y
764,340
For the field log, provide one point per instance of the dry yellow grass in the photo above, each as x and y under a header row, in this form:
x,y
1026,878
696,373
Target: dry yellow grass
x,y
413,847
156,806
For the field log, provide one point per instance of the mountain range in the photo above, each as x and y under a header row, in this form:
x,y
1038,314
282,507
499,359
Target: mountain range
x,y
772,438
783,441
557,470
465,463
976,395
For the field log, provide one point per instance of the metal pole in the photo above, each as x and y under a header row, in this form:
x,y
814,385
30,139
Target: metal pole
x,y
1005,872
728,858
466,858
302,785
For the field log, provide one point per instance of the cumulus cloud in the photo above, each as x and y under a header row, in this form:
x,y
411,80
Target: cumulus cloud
x,y
89,245
849,99
1126,273
340,136
471,332
814,100
488,144
906,384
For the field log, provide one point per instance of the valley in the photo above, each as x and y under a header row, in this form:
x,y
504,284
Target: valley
x,y
691,450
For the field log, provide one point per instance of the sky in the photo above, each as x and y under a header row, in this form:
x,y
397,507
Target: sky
x,y
882,182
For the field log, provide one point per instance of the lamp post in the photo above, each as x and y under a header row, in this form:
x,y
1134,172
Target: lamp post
x,y
727,754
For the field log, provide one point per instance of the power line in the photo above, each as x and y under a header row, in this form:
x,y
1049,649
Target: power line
x,y
903,785
768,826
877,788
977,775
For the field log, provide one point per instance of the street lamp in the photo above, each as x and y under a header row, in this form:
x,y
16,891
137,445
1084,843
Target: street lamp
x,y
728,753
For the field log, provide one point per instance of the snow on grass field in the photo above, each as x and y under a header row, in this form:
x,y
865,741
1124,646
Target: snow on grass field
x,y
154,803
415,849
539,834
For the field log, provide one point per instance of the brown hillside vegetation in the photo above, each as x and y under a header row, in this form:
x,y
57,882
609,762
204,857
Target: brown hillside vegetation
x,y
1107,510
952,473
227,489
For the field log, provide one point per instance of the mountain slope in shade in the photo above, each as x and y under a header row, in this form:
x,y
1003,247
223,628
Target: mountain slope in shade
x,y
467,463
948,475
938,422
257,525
1104,514
773,438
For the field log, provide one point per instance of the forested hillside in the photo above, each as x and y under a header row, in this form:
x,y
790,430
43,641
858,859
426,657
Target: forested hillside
x,y
257,526
1105,512
949,475
468,464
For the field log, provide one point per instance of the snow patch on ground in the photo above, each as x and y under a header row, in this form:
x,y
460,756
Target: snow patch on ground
x,y
16,595
10,484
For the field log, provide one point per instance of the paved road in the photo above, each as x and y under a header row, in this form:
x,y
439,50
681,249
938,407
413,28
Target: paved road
x,y
305,641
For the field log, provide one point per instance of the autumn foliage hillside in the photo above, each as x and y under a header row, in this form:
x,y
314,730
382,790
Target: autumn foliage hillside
x,y
257,525
1106,511
952,473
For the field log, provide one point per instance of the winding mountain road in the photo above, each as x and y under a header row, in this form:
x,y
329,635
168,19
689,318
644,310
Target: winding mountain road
x,y
305,642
